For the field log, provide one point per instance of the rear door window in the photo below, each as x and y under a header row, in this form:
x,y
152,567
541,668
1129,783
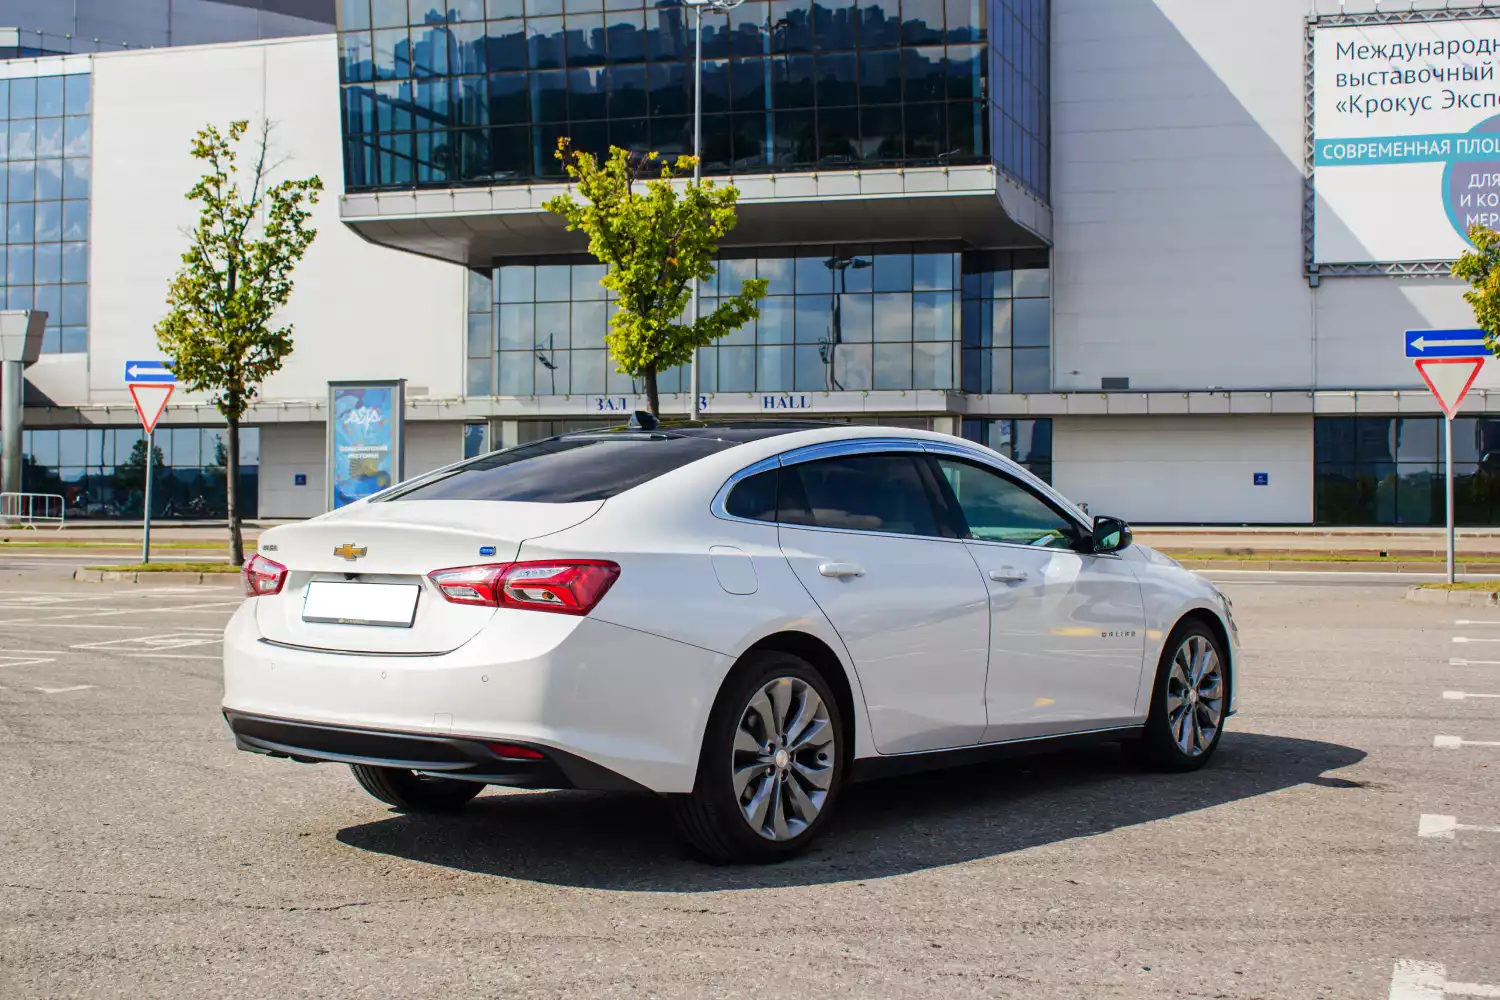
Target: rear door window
x,y
884,493
566,469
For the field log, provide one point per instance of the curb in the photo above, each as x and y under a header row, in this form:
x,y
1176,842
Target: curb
x,y
110,576
1463,598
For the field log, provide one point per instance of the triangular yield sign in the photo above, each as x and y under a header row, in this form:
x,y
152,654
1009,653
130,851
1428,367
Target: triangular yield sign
x,y
1449,379
150,401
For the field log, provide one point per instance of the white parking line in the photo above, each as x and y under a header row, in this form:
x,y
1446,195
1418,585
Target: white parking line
x,y
1456,662
167,640
1477,621
176,656
24,661
1444,827
1461,695
1429,981
75,687
1454,742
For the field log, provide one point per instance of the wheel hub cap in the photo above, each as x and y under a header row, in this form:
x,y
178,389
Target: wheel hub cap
x,y
1195,695
784,757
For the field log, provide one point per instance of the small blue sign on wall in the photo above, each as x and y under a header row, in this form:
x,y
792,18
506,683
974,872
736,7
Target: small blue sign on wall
x,y
299,479
1262,479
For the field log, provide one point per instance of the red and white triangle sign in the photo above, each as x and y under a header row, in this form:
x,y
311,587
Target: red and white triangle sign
x,y
150,401
1449,379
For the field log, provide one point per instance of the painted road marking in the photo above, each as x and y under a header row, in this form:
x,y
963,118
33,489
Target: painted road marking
x,y
1461,695
23,661
169,640
1429,981
1444,827
1473,663
1477,621
75,687
176,656
52,624
1454,742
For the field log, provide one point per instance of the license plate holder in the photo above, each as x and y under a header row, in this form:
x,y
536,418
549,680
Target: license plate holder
x,y
384,605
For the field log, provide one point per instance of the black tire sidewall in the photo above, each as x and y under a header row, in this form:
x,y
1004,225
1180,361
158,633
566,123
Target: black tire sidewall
x,y
1157,742
714,788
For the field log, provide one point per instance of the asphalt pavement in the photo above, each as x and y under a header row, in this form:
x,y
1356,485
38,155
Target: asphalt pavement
x,y
1344,844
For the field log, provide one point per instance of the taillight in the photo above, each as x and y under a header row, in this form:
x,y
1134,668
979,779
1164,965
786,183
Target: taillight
x,y
512,751
566,586
263,576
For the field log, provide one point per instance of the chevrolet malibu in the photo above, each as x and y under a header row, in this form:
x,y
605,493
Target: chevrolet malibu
x,y
742,617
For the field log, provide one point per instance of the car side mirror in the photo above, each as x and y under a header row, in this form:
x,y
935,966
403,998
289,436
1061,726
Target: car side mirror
x,y
1110,534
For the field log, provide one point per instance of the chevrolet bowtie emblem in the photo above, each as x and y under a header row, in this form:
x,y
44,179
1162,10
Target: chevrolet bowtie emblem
x,y
350,551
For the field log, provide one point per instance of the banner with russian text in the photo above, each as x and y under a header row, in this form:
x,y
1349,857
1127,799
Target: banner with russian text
x,y
365,435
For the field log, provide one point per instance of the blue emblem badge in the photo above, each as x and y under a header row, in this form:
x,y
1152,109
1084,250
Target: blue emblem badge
x,y
486,550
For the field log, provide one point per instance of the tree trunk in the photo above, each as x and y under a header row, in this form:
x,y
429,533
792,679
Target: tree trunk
x,y
653,398
232,495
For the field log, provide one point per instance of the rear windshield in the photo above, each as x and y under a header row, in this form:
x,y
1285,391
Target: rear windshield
x,y
566,469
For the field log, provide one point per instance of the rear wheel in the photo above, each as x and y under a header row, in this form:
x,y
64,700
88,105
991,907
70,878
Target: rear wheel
x,y
413,792
1188,701
772,762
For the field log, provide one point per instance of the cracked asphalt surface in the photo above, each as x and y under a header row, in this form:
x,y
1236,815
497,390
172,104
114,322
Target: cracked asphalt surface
x,y
142,856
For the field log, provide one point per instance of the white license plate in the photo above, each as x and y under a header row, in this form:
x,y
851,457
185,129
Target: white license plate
x,y
389,604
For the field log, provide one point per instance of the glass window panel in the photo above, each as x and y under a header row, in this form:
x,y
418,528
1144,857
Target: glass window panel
x,y
23,98
516,377
477,382
76,97
553,282
481,290
544,42
1417,439
627,91
517,283
966,72
549,98
44,447
18,268
814,275
388,13
75,178
753,139
468,48
666,34
933,271
1031,323
921,21
776,320
75,305
812,368
586,282
932,316
72,447
922,74
856,318
1032,282
392,54
630,133
48,299
926,132
965,20
49,185
779,272
586,101
588,324
1031,368
517,327
750,85
479,335
584,39
49,270
186,447
73,340
670,90
893,316
814,319
553,324
476,440
853,367
49,137
932,366
49,97
23,140
354,14
892,272
17,296
774,369
616,382
625,36
75,262
510,100
533,8
893,366
431,108
838,137
356,57
736,369
552,372
126,438
588,371
792,81
507,45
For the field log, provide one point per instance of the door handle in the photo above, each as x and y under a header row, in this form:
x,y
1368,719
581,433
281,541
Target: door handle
x,y
840,569
1007,575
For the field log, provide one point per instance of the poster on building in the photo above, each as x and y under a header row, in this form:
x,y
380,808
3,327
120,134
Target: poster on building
x,y
1406,138
365,430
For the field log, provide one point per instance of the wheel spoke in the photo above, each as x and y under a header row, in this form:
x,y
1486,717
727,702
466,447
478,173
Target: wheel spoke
x,y
804,809
1196,747
780,693
1181,731
744,775
760,705
778,808
755,810
808,707
745,741
819,732
1174,703
818,777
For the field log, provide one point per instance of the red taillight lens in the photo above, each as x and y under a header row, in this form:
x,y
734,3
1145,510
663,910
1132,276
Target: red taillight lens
x,y
263,576
568,586
514,752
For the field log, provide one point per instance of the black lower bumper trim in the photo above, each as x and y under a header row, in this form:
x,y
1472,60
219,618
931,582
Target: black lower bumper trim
x,y
463,757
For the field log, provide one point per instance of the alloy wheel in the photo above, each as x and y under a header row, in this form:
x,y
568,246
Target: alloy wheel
x,y
1195,696
784,758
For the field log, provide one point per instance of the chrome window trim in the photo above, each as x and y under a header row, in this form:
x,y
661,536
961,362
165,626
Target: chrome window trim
x,y
721,498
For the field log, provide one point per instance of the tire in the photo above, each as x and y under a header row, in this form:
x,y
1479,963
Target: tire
x,y
412,792
765,819
1167,744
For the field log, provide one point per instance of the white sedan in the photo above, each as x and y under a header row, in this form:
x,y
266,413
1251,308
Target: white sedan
x,y
743,617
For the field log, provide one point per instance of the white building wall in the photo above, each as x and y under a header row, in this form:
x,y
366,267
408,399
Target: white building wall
x,y
432,445
1177,199
286,451
1198,469
359,311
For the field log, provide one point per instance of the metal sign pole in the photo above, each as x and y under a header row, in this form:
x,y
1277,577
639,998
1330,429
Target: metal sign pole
x,y
1448,486
146,513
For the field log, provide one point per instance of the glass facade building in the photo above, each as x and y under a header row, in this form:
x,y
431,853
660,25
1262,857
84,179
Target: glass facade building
x,y
100,471
44,165
1389,470
835,319
457,92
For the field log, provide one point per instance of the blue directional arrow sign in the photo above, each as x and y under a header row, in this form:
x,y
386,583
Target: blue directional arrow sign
x,y
1446,344
149,373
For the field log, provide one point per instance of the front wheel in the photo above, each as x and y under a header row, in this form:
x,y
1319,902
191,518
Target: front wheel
x,y
413,792
772,763
1188,701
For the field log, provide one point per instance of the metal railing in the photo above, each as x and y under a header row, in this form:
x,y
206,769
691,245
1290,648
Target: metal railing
x,y
27,510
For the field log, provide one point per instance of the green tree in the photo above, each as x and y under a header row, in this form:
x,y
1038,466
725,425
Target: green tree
x,y
655,238
1479,268
221,330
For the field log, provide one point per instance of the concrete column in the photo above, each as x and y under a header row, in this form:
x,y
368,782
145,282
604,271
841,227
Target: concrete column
x,y
20,345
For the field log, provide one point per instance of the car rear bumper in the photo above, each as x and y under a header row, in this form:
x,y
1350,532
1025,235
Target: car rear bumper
x,y
630,703
446,756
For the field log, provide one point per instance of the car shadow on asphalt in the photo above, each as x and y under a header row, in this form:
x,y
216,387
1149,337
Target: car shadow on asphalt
x,y
890,827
